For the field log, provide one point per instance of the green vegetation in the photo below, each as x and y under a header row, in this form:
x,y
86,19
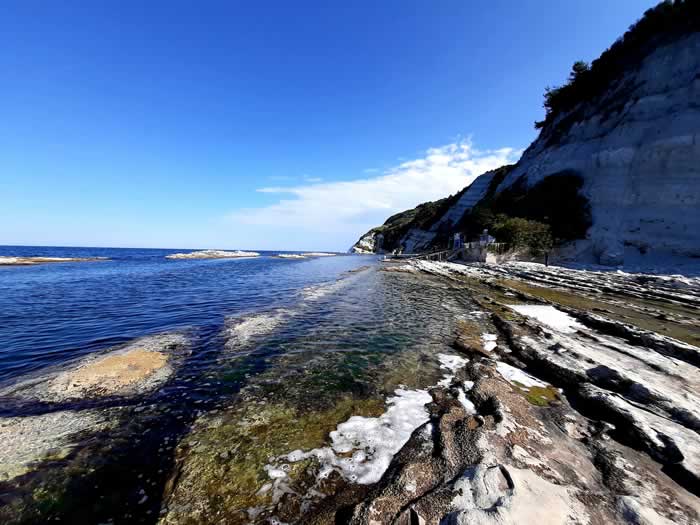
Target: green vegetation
x,y
551,212
425,215
556,200
658,26
541,396
422,216
523,233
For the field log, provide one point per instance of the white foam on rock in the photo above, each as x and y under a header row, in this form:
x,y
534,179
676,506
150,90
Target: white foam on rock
x,y
462,397
489,341
515,375
548,316
373,441
362,447
451,362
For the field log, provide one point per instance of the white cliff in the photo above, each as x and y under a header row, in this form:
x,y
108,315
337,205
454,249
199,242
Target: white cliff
x,y
630,129
638,150
366,244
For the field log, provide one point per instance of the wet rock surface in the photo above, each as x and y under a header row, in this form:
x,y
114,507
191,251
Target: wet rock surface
x,y
72,433
619,445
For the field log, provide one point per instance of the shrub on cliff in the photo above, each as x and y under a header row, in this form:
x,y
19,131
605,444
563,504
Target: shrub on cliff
x,y
422,217
523,233
555,201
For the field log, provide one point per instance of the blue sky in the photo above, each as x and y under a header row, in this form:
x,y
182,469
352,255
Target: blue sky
x,y
268,125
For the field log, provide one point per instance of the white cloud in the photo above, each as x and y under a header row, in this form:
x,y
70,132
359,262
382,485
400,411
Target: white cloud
x,y
347,209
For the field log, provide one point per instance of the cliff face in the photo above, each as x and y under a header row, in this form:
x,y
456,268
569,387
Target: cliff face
x,y
429,224
638,150
636,147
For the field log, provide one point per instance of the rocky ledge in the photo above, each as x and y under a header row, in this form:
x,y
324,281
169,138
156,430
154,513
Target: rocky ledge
x,y
80,400
575,410
212,254
30,261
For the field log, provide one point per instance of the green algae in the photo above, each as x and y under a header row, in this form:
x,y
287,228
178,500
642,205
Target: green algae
x,y
223,462
541,396
50,501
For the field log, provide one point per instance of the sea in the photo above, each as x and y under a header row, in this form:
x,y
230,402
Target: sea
x,y
51,313
303,333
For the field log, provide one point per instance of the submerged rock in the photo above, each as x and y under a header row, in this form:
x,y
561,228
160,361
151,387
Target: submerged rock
x,y
26,441
137,368
112,374
224,468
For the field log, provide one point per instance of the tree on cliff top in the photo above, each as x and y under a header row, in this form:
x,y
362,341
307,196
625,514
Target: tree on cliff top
x,y
658,26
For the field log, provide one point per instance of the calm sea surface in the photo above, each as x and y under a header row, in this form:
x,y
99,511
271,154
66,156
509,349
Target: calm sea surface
x,y
54,312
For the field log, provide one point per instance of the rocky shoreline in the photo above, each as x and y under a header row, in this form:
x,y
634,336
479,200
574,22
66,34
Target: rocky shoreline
x,y
538,395
614,442
547,414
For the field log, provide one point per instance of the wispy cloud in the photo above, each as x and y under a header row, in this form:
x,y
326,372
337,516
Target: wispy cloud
x,y
347,209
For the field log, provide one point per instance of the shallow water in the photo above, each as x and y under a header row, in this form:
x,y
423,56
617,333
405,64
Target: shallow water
x,y
302,335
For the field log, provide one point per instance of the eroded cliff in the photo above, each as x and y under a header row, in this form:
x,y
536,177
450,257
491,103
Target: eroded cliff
x,y
629,128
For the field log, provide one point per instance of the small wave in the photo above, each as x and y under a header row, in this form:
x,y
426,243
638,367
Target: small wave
x,y
240,332
311,293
